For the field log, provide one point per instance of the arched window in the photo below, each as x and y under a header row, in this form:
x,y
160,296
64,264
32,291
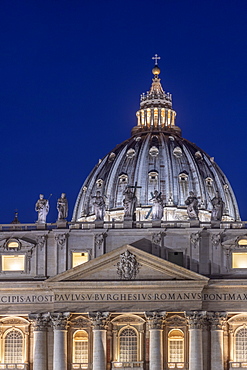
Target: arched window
x,y
241,345
175,346
128,345
80,347
13,347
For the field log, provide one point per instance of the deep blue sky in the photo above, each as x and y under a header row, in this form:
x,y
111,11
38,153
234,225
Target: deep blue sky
x,y
72,71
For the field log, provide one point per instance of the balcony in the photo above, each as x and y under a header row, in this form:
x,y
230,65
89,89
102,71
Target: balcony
x,y
238,365
14,366
177,365
127,365
84,366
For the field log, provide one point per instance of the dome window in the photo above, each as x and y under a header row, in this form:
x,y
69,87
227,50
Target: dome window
x,y
153,177
138,138
198,155
130,153
111,157
242,242
123,179
154,151
13,244
209,181
177,152
183,177
99,183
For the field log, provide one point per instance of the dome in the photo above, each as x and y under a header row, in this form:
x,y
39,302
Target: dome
x,y
156,159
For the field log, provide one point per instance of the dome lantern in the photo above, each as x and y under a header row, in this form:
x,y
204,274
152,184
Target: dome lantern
x,y
156,113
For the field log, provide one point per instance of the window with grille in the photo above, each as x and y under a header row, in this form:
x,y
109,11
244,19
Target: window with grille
x,y
128,345
13,347
241,345
80,346
176,346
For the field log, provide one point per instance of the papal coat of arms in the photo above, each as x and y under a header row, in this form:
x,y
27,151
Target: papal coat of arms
x,y
128,267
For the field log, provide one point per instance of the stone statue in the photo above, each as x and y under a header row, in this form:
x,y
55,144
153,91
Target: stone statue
x,y
99,206
129,202
218,207
42,207
157,208
62,207
192,206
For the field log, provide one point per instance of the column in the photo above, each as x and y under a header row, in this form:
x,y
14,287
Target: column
x,y
99,320
39,322
155,321
60,325
195,321
217,321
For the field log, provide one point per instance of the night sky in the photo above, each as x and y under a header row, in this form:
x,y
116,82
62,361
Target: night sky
x,y
71,75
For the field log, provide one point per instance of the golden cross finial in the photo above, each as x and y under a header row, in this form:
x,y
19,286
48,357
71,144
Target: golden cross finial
x,y
156,59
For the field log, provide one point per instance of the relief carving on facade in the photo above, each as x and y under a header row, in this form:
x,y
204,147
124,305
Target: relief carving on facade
x,y
194,239
175,321
217,320
128,267
80,321
155,319
41,240
216,239
61,239
99,319
60,320
99,239
157,238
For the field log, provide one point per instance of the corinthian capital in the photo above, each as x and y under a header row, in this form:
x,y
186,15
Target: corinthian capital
x,y
155,319
60,320
196,319
39,321
217,320
99,319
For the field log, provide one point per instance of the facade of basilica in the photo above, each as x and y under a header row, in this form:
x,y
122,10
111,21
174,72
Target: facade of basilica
x,y
150,274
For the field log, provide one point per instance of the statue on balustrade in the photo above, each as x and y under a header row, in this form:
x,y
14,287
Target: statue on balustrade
x,y
129,202
99,206
62,207
157,208
42,207
218,207
192,206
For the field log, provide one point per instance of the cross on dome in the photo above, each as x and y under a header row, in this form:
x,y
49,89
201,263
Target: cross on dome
x,y
155,58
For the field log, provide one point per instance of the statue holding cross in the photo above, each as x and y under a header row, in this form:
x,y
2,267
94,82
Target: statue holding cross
x,y
130,200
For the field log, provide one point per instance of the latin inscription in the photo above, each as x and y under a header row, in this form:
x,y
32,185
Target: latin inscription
x,y
121,297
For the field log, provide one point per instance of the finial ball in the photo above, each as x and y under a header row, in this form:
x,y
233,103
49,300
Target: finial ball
x,y
156,70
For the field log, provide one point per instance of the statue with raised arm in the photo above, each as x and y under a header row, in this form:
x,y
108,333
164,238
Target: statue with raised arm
x,y
99,206
218,207
129,202
42,207
157,208
192,206
62,207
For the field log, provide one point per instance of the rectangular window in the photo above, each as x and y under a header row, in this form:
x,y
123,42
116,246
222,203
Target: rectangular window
x,y
239,260
78,258
13,262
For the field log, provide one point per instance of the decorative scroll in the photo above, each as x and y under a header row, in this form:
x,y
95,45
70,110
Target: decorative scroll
x,y
196,319
217,320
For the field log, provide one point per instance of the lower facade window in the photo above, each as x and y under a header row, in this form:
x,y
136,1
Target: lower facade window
x,y
13,262
128,345
175,346
80,347
13,347
241,345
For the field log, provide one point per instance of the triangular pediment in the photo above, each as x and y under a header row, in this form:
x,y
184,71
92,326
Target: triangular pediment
x,y
108,268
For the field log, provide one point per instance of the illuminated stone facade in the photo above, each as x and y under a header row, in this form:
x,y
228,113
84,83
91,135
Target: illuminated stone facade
x,y
119,290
